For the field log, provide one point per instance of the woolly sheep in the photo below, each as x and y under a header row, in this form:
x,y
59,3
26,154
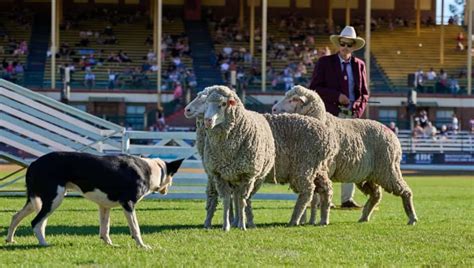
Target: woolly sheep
x,y
369,153
195,109
287,132
304,151
239,150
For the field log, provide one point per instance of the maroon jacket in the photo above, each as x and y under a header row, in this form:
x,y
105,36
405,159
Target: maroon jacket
x,y
327,78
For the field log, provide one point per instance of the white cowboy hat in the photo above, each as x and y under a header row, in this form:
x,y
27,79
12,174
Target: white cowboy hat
x,y
349,33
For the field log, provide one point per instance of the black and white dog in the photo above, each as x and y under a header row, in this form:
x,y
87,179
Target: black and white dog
x,y
109,181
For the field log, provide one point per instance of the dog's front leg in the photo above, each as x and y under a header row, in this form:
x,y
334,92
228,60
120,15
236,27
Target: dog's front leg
x,y
133,225
104,218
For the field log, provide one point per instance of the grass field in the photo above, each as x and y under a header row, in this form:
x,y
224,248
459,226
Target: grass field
x,y
443,236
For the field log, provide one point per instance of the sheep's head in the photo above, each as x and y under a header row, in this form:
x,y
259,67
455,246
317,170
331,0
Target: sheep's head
x,y
301,100
196,107
216,107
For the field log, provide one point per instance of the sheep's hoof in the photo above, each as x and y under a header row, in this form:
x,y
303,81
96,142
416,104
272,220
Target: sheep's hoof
x,y
251,225
412,222
145,246
10,241
242,227
226,228
207,225
292,224
323,224
363,220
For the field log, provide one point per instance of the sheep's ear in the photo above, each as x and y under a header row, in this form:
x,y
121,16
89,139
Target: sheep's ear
x,y
231,102
303,99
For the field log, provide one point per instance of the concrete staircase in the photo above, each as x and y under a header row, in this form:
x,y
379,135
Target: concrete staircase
x,y
38,47
202,53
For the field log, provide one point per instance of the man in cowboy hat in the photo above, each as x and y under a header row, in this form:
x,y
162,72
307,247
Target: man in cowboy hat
x,y
341,81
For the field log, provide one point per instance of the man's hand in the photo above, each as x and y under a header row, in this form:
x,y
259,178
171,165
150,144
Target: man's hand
x,y
343,99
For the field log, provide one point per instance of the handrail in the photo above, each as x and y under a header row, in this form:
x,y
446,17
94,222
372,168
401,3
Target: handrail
x,y
60,106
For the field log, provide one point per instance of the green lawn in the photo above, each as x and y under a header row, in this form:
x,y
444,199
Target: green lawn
x,y
443,236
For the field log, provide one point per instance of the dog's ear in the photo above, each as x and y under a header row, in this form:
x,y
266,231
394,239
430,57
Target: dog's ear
x,y
172,167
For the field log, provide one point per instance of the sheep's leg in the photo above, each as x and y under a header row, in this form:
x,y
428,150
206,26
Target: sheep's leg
x,y
241,215
226,223
303,217
407,198
395,184
375,195
314,206
248,208
301,203
324,188
234,210
211,203
249,214
225,192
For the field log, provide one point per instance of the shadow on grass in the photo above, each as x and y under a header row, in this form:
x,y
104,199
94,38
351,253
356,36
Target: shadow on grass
x,y
94,229
11,247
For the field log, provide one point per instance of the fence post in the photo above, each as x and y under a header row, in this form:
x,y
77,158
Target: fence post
x,y
125,142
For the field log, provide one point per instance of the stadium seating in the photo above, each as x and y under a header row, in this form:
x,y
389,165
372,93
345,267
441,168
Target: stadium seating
x,y
400,52
11,29
131,39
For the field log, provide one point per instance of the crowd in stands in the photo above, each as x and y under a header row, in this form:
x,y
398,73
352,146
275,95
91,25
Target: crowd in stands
x,y
291,41
82,56
13,50
424,128
441,82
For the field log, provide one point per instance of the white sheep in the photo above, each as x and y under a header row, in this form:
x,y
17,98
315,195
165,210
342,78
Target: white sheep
x,y
195,109
304,152
239,150
369,153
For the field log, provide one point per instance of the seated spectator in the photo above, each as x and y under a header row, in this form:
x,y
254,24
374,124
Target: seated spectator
x,y
177,94
443,132
460,46
423,118
453,85
112,78
393,127
149,40
151,56
419,79
454,124
146,66
89,80
227,50
160,120
431,75
124,56
23,48
19,68
108,30
460,37
429,130
418,130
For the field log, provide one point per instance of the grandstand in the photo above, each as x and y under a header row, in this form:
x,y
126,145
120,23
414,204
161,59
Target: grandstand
x,y
298,35
395,51
130,39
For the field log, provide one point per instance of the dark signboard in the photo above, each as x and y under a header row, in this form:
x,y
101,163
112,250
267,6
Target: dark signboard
x,y
458,158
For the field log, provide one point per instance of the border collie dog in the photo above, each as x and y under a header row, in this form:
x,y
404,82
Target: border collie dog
x,y
109,181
